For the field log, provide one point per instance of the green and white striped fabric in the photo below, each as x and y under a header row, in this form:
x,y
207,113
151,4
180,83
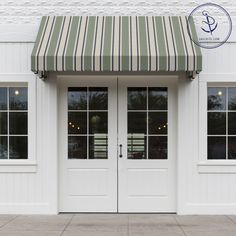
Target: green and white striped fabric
x,y
115,43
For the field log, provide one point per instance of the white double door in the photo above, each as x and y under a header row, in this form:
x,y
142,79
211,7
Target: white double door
x,y
117,144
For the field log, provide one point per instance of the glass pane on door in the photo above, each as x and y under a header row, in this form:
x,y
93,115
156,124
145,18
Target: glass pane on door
x,y
147,122
87,123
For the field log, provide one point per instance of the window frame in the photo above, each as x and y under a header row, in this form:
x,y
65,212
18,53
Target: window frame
x,y
29,81
204,164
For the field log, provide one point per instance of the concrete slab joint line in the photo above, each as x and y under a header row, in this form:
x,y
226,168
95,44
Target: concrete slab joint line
x,y
117,225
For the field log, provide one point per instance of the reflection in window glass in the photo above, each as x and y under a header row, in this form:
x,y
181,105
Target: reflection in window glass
x,y
3,123
13,123
216,122
221,122
216,147
90,126
137,122
216,98
98,99
77,122
18,98
148,124
3,98
232,147
137,146
232,99
77,98
137,98
77,147
157,99
157,122
18,122
18,147
98,146
98,122
3,147
157,147
232,123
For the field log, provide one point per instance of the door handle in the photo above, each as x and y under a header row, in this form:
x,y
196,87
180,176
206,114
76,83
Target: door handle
x,y
121,155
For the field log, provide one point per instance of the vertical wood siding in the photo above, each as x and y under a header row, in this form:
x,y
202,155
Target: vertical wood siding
x,y
40,188
31,192
213,192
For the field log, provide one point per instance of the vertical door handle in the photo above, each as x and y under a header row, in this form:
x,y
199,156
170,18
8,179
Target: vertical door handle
x,y
121,155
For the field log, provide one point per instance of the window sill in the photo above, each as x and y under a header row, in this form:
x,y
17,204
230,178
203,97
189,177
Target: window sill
x,y
224,167
17,166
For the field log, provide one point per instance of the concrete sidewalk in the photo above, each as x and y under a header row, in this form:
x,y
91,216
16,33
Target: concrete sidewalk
x,y
117,225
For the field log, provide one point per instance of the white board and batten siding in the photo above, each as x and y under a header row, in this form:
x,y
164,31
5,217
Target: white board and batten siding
x,y
31,188
201,188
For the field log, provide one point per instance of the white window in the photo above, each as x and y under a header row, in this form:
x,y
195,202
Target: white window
x,y
13,123
221,122
217,126
17,123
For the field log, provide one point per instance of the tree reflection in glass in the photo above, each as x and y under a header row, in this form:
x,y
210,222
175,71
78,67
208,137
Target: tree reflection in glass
x,y
147,122
232,98
18,98
77,98
137,98
3,98
216,98
157,99
3,147
98,98
88,123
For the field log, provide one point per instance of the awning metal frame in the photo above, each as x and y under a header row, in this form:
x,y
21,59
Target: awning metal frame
x,y
191,75
41,74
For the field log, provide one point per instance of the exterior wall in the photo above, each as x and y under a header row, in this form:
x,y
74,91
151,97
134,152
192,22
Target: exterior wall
x,y
30,11
202,188
31,190
20,15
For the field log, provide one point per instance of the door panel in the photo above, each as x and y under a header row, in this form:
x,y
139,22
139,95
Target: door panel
x,y
146,131
88,144
117,151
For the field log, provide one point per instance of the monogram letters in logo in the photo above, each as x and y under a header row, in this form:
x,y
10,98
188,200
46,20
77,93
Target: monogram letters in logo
x,y
210,23
213,25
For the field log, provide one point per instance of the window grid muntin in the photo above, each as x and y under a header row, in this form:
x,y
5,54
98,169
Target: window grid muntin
x,y
147,127
88,110
8,122
226,123
226,111
147,111
8,111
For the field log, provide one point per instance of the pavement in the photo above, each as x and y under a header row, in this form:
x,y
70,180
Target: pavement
x,y
117,225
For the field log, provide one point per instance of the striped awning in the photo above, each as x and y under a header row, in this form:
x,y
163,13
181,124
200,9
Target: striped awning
x,y
116,43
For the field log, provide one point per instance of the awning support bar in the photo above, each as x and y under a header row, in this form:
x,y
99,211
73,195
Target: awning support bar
x,y
41,74
192,74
